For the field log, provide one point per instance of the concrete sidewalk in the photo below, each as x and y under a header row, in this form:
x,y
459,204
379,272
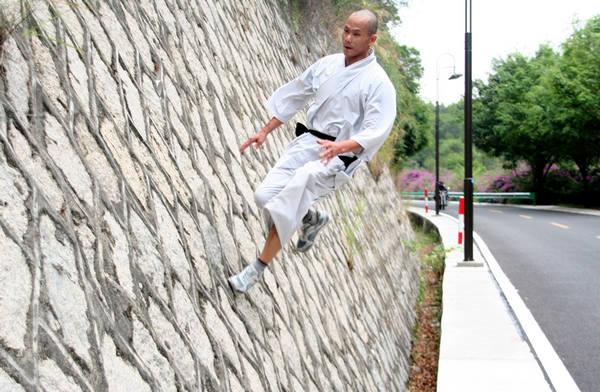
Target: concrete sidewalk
x,y
490,341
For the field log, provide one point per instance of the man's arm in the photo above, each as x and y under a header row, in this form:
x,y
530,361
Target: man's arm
x,y
378,120
259,137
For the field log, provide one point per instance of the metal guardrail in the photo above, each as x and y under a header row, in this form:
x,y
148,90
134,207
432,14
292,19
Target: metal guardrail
x,y
478,196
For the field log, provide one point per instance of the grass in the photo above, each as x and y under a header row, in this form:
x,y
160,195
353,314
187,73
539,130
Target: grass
x,y
354,219
14,14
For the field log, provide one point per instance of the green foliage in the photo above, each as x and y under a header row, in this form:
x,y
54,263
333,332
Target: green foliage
x,y
576,98
431,254
512,114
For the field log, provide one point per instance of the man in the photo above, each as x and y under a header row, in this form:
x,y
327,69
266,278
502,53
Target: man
x,y
352,114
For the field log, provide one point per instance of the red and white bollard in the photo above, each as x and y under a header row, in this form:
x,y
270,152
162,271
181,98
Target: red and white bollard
x,y
461,220
426,202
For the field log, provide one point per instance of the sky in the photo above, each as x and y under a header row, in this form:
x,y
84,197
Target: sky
x,y
437,29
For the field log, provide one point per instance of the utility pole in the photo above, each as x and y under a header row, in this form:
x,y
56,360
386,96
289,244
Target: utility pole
x,y
468,181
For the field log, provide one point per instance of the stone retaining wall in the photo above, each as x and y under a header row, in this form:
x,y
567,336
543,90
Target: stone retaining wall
x,y
125,204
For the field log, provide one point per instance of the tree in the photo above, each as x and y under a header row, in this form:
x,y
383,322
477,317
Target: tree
x,y
576,97
452,145
513,115
414,119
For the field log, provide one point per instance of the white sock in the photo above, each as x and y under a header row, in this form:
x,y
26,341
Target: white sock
x,y
260,266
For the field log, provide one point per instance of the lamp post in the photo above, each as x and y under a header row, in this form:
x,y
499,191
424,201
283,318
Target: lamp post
x,y
437,125
468,181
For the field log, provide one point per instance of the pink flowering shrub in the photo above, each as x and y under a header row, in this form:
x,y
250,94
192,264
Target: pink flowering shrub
x,y
414,179
561,184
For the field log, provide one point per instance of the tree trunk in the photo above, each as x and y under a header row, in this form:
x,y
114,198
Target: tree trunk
x,y
538,172
582,165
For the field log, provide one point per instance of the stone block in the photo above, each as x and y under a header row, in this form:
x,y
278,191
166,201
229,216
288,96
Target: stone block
x,y
146,256
14,192
171,243
62,280
65,157
145,346
171,341
52,378
117,253
118,372
220,333
188,320
15,294
17,86
7,384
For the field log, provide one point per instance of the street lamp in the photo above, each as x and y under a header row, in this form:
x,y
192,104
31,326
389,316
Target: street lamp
x,y
468,181
437,125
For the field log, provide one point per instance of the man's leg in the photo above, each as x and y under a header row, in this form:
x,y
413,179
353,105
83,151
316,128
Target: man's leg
x,y
272,246
285,209
253,272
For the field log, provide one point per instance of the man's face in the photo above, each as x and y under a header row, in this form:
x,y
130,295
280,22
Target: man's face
x,y
356,38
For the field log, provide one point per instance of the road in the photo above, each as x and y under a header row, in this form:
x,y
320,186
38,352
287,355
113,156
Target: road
x,y
553,259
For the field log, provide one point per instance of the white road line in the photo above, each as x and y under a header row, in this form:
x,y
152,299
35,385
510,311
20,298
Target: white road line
x,y
553,366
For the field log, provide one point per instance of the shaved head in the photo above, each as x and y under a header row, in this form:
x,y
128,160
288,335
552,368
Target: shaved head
x,y
371,20
359,35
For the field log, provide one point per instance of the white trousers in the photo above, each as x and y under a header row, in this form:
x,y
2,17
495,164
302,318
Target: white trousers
x,y
296,182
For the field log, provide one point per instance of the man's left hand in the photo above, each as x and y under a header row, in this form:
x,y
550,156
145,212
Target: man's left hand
x,y
330,150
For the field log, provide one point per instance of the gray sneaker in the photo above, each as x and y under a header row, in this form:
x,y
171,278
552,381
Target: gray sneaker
x,y
245,279
309,231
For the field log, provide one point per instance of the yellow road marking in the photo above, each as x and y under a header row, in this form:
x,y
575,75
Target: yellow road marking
x,y
496,211
559,225
526,216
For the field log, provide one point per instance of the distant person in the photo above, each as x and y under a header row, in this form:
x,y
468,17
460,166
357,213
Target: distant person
x,y
442,187
351,115
443,195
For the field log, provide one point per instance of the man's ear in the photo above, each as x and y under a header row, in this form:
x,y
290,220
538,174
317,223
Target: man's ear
x,y
372,39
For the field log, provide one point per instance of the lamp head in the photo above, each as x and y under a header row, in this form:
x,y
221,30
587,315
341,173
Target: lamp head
x,y
454,76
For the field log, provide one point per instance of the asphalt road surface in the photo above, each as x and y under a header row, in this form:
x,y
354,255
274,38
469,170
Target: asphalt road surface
x,y
553,259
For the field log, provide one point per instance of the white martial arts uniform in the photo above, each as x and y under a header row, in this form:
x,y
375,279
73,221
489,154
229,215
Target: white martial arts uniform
x,y
358,102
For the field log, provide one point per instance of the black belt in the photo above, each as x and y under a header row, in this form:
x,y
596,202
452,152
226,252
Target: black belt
x,y
301,129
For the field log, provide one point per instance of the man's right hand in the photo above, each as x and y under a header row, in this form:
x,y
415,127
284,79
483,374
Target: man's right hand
x,y
259,137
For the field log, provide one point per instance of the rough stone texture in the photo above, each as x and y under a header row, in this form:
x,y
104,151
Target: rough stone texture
x,y
125,204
